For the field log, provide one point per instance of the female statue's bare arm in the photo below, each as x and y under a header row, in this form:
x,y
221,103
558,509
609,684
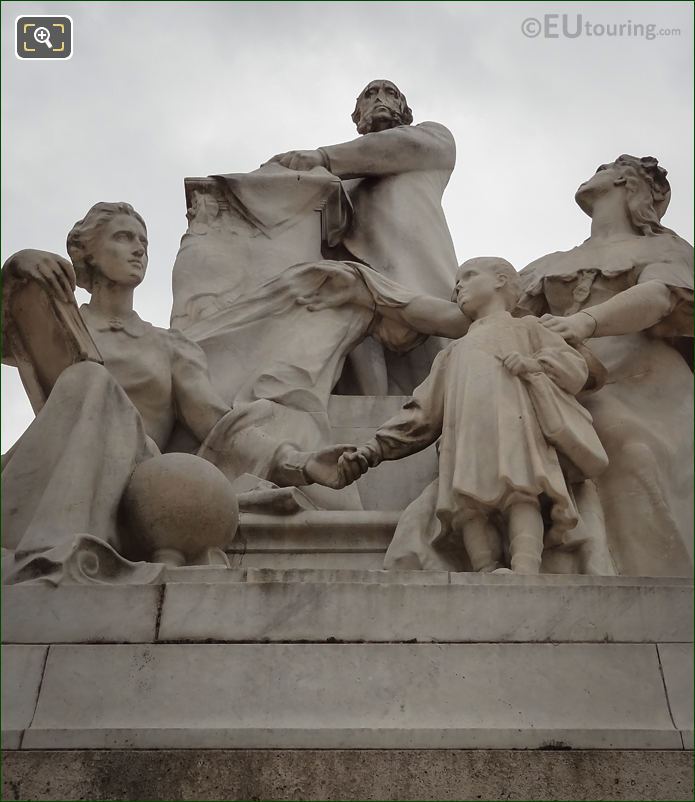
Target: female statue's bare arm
x,y
630,311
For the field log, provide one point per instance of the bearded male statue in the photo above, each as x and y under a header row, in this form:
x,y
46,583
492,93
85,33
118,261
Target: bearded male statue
x,y
395,174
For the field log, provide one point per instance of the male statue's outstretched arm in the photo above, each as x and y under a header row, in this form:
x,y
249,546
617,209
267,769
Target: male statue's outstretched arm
x,y
388,144
428,146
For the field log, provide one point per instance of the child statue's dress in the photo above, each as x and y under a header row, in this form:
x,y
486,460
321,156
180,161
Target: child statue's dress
x,y
494,426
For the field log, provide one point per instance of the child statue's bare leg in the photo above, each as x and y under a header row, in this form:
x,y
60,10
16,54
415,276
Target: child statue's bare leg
x,y
481,540
525,527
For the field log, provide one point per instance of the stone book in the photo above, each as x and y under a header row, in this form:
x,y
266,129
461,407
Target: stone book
x,y
42,352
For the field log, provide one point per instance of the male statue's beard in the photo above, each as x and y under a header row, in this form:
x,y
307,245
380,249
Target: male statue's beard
x,y
366,124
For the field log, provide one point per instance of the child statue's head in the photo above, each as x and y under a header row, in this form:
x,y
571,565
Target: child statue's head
x,y
481,280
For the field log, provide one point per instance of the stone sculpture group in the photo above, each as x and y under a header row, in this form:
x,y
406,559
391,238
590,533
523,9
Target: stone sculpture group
x,y
560,397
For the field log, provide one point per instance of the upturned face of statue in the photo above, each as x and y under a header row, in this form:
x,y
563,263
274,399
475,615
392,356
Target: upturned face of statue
x,y
118,251
379,106
607,178
476,286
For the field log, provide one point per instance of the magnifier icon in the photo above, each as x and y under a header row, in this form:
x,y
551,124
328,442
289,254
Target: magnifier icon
x,y
43,36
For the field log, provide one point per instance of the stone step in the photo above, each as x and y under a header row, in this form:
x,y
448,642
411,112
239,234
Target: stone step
x,y
318,539
367,696
252,605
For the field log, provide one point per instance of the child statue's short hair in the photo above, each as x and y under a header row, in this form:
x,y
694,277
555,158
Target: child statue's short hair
x,y
500,267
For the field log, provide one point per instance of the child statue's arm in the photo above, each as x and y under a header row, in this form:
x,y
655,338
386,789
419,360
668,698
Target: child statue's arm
x,y
417,425
563,364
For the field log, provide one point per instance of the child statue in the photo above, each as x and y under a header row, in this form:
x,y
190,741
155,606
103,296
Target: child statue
x,y
513,435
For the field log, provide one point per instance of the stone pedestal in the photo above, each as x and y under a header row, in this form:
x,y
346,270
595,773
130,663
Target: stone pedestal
x,y
575,669
305,671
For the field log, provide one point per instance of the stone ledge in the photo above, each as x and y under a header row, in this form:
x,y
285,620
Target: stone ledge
x,y
676,661
379,774
316,531
41,613
218,604
22,671
488,611
502,696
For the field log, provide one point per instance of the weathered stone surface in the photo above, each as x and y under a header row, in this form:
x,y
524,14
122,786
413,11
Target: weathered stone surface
x,y
333,774
315,539
502,696
476,608
318,560
677,665
286,604
22,667
347,576
316,531
204,573
79,613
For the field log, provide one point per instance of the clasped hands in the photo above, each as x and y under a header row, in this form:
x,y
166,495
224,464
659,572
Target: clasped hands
x,y
339,466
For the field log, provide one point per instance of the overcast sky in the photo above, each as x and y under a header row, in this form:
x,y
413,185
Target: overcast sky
x,y
158,91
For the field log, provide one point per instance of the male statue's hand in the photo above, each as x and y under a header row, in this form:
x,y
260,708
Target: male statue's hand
x,y
340,285
299,159
324,467
54,273
355,462
573,328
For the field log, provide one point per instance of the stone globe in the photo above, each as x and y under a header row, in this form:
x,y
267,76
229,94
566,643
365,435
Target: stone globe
x,y
176,507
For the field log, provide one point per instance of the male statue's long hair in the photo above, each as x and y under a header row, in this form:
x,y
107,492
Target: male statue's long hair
x,y
404,116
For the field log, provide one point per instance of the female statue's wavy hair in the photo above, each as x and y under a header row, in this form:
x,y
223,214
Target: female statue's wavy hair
x,y
648,192
84,232
404,116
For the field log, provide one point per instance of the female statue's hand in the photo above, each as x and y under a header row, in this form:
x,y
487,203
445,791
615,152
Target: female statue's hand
x,y
54,273
573,328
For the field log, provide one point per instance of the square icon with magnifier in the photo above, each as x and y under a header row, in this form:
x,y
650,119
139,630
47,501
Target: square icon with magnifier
x,y
43,38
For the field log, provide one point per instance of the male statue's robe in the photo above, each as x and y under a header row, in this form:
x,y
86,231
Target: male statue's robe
x,y
399,228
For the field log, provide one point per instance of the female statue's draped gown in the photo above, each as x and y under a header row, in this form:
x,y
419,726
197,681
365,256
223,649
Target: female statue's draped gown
x,y
643,414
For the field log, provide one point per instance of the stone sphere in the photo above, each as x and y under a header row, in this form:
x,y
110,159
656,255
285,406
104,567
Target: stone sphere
x,y
179,503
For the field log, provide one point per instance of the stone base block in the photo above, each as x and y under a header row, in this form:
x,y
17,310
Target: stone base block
x,y
360,696
202,603
271,774
313,540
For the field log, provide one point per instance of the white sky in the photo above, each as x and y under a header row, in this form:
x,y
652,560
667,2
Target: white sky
x,y
157,91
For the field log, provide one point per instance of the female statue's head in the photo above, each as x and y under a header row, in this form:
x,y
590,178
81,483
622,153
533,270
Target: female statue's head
x,y
642,182
110,242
